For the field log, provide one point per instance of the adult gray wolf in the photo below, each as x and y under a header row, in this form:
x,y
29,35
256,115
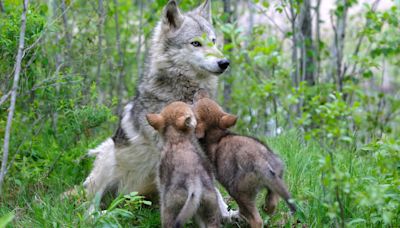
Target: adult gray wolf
x,y
185,179
243,165
182,58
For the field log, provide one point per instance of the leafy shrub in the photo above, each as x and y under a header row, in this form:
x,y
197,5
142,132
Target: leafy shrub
x,y
119,211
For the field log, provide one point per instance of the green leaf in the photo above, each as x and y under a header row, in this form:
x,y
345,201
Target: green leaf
x,y
6,219
356,221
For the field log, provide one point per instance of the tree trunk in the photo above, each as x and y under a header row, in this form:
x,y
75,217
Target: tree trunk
x,y
100,26
67,35
317,40
227,85
2,10
295,75
295,65
250,23
307,54
58,61
13,94
340,33
139,45
120,78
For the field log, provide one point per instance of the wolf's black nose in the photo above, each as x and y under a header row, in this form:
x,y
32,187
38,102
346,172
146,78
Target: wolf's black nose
x,y
223,64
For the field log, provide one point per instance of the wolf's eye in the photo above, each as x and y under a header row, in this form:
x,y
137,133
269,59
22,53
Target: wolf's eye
x,y
196,43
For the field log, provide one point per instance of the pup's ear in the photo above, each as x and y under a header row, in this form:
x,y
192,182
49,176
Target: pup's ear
x,y
227,121
200,130
186,122
205,10
156,121
172,16
200,94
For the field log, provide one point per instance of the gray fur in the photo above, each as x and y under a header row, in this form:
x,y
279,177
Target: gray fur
x,y
185,179
243,165
175,70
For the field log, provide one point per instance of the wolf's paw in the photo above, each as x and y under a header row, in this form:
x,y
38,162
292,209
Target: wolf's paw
x,y
231,217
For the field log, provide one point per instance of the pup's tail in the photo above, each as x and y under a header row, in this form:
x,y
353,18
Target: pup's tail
x,y
275,183
282,190
191,204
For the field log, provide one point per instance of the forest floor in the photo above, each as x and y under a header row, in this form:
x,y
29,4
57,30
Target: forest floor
x,y
41,204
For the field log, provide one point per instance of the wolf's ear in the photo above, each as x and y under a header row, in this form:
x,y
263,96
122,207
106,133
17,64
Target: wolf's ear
x,y
186,122
200,94
172,16
227,121
156,121
205,10
200,130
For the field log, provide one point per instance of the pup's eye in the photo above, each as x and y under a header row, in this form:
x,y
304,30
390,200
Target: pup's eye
x,y
213,40
196,44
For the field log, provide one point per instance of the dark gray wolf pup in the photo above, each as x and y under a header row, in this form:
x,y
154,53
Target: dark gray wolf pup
x,y
185,179
183,58
243,165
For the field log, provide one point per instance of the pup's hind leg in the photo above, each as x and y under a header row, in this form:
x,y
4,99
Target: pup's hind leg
x,y
167,218
248,209
210,215
271,200
199,221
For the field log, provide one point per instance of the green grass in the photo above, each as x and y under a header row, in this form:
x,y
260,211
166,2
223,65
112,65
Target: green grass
x,y
38,203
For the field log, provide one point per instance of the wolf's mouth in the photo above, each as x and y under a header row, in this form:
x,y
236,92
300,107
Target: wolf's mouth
x,y
215,72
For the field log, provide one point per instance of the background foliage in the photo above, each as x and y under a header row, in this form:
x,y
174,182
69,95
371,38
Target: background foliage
x,y
322,91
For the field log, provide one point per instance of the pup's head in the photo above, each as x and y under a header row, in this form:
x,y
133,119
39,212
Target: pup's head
x,y
176,115
210,115
188,41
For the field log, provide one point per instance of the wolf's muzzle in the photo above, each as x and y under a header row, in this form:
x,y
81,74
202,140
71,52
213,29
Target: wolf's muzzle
x,y
223,64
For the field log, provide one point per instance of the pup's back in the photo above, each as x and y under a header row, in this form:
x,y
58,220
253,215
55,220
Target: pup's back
x,y
246,155
184,177
243,164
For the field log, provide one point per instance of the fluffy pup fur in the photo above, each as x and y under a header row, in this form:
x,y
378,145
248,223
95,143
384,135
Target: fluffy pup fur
x,y
243,165
184,175
183,57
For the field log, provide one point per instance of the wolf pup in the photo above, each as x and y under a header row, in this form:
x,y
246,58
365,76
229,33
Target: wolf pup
x,y
184,176
183,57
243,165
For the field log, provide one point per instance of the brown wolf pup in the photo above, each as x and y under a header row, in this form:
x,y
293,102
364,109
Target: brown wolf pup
x,y
184,178
243,165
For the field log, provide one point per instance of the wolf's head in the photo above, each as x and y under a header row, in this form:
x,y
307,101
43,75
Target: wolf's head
x,y
185,43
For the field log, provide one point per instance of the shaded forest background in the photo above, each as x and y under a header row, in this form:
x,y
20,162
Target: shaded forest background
x,y
317,80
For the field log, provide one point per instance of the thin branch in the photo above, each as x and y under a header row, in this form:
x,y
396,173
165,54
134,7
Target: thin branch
x,y
361,38
27,49
23,141
64,11
13,93
4,97
264,12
